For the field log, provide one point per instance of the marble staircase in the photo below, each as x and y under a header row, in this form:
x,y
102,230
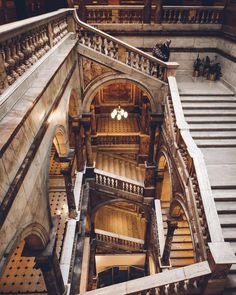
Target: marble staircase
x,y
182,252
212,122
123,167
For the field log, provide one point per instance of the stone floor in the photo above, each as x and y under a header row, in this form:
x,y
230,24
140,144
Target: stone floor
x,y
190,85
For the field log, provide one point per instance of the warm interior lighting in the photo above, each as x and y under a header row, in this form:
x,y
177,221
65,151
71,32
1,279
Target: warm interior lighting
x,y
118,113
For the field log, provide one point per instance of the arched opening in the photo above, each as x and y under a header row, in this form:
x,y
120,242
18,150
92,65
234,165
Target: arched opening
x,y
165,187
182,250
120,229
20,274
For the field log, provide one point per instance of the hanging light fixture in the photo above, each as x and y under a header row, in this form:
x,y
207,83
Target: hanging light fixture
x,y
118,113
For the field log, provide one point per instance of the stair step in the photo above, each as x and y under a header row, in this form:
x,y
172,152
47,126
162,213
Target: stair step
x,y
196,112
229,234
233,245
213,134
217,144
179,231
212,127
178,262
226,207
213,98
181,246
228,220
181,254
208,105
182,238
224,194
210,119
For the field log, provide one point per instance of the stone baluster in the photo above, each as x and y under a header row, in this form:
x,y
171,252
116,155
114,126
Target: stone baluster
x,y
9,65
3,72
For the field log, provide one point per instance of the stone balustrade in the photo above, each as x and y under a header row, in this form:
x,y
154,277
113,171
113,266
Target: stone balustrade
x,y
132,14
121,183
194,174
119,240
192,14
183,280
25,42
90,37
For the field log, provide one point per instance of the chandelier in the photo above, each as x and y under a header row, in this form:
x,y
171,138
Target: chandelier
x,y
118,113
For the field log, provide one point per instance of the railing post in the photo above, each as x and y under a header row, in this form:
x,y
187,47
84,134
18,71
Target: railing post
x,y
48,262
147,11
3,74
158,11
172,226
66,169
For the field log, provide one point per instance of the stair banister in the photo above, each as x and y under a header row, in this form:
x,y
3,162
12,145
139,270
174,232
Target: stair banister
x,y
167,67
211,215
183,278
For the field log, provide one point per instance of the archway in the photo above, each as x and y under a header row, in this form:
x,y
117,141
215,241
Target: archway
x,y
19,274
182,251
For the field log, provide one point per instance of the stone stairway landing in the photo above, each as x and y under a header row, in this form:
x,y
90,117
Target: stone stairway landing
x,y
210,110
123,167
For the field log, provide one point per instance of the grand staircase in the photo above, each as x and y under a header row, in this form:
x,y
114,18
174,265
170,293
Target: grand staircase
x,y
212,122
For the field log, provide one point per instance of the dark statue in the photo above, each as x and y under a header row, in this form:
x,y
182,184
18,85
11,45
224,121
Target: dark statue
x,y
162,51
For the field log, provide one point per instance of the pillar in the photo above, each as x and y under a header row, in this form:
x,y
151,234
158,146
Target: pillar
x,y
144,117
172,226
86,121
147,13
66,169
93,120
48,262
79,151
157,11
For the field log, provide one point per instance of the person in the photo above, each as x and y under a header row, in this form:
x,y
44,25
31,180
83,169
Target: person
x,y
162,51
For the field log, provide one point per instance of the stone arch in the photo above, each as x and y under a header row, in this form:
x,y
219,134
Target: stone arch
x,y
94,211
179,211
105,80
35,235
73,104
60,140
165,172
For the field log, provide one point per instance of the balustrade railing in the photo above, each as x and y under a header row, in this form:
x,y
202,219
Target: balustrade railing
x,y
118,182
115,139
193,170
192,14
183,280
132,14
120,51
23,43
119,240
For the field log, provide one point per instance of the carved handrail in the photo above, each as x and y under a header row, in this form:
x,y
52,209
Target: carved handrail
x,y
194,172
118,239
183,280
118,182
192,14
122,52
114,13
23,43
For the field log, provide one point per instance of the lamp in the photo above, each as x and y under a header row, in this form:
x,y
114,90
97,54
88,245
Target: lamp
x,y
118,113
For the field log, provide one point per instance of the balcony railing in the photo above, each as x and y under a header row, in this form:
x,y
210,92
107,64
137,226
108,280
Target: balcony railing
x,y
114,14
192,14
118,182
92,38
25,42
119,240
134,14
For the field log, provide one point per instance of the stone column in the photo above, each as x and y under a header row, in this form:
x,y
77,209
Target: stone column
x,y
66,168
79,152
93,120
87,127
147,11
143,148
150,160
172,226
158,11
48,262
144,117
